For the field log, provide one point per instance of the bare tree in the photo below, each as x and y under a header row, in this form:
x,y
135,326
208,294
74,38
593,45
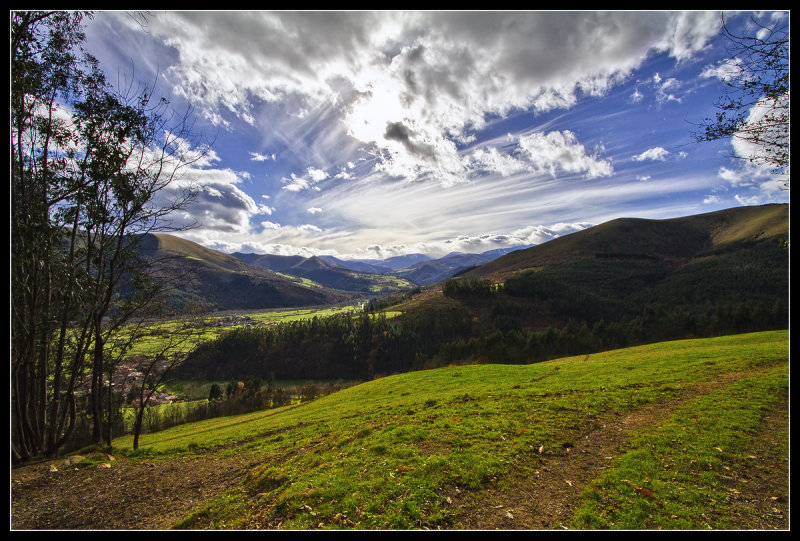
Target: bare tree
x,y
158,367
755,107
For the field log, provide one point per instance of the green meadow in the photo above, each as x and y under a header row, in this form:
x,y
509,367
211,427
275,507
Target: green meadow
x,y
158,334
430,449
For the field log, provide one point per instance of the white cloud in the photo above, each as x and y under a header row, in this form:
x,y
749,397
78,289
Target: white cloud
x,y
414,85
655,153
409,91
731,176
258,157
772,110
492,160
472,243
724,70
665,92
308,181
540,233
561,151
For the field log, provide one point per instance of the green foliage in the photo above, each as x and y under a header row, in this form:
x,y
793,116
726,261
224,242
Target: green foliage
x,y
460,287
346,347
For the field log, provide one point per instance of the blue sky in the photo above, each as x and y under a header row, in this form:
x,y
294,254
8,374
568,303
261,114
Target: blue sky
x,y
375,134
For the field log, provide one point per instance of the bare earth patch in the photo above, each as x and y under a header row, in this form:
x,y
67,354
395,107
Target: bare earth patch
x,y
125,496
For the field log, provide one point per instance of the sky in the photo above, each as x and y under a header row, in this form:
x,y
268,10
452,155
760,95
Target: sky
x,y
371,134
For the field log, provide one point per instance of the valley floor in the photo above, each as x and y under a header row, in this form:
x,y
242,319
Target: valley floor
x,y
158,494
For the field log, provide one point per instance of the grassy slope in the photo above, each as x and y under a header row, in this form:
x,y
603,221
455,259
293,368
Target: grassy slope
x,y
426,449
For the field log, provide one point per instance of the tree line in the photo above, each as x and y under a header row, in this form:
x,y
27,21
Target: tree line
x,y
580,307
368,346
336,347
87,162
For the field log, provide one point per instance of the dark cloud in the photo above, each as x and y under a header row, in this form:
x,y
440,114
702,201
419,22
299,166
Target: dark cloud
x,y
397,131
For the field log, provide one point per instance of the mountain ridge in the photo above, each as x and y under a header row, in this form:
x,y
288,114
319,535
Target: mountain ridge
x,y
677,239
195,274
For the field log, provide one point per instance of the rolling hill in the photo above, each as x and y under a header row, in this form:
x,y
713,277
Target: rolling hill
x,y
683,435
668,242
735,257
622,283
223,282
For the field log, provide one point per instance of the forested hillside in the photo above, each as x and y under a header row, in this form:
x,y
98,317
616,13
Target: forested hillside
x,y
623,283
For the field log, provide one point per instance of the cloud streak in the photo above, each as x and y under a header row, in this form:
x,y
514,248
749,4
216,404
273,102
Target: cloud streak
x,y
435,129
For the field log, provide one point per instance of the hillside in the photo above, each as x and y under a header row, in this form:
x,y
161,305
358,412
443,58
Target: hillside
x,y
210,277
735,257
671,241
623,283
684,435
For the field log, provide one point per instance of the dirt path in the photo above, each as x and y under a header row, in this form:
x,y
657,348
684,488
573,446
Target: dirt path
x,y
545,496
540,495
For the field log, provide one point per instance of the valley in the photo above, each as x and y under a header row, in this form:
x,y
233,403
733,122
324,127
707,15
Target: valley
x,y
568,370
398,270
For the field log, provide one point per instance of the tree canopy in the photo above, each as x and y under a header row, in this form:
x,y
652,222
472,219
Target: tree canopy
x,y
87,164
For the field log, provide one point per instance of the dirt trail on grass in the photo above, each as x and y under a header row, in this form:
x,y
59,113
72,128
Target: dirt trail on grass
x,y
539,495
545,496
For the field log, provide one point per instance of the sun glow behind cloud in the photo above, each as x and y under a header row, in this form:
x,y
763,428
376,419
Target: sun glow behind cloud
x,y
417,128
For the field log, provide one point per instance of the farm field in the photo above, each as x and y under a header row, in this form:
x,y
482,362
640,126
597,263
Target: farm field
x,y
689,434
217,323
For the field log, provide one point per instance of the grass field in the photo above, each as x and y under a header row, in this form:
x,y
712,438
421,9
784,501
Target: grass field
x,y
157,334
493,446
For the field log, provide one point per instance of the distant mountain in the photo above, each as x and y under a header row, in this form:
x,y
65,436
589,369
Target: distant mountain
x,y
328,273
223,282
420,268
373,275
435,270
372,266
379,266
